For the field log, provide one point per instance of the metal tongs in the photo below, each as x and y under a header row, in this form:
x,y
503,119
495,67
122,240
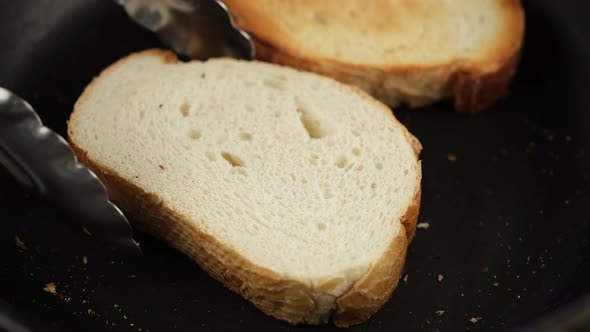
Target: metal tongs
x,y
198,29
41,159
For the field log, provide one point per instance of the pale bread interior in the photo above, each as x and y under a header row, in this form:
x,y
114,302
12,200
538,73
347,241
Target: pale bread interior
x,y
291,170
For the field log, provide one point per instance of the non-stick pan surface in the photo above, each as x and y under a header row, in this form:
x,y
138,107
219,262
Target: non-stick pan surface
x,y
506,195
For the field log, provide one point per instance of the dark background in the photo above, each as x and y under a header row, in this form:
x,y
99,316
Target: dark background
x,y
509,218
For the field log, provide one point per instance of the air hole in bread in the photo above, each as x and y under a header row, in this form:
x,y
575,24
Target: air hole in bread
x,y
379,166
210,156
355,133
359,168
277,83
293,177
321,226
185,109
309,120
327,193
356,151
406,171
194,134
234,160
341,161
141,115
249,108
244,136
373,185
319,19
390,50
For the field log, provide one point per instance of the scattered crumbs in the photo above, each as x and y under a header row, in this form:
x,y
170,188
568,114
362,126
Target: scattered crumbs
x,y
485,269
541,212
84,260
496,284
86,231
440,278
202,75
124,317
439,312
20,244
160,106
528,259
566,202
130,324
427,322
90,311
462,294
406,279
132,276
50,288
83,301
115,305
162,167
423,225
451,157
518,297
475,320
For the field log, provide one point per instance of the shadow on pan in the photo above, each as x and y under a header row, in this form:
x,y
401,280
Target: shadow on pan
x,y
506,195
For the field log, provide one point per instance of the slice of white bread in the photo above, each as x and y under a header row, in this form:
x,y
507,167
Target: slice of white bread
x,y
410,51
297,192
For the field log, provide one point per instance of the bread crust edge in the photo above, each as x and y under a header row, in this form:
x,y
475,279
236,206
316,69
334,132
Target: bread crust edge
x,y
293,300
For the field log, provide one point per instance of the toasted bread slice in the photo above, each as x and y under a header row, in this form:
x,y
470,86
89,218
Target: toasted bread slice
x,y
297,192
400,51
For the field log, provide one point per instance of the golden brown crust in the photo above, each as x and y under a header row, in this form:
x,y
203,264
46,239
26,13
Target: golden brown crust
x,y
474,84
289,299
475,91
476,87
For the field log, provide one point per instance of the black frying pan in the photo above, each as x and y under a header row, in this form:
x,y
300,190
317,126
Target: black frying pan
x,y
506,194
